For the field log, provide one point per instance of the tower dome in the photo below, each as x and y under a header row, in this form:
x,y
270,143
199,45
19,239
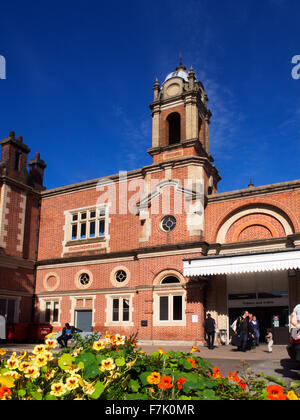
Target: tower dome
x,y
180,71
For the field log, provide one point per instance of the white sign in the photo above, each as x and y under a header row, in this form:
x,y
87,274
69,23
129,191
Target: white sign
x,y
194,319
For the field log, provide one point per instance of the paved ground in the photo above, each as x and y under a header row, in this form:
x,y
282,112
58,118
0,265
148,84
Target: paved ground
x,y
226,358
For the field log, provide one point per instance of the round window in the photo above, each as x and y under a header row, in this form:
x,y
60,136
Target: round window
x,y
168,223
121,276
84,279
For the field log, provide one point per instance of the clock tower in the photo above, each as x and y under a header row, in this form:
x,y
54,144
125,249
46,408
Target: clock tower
x,y
180,122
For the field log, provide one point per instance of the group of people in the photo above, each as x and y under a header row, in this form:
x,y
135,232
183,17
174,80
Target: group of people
x,y
246,333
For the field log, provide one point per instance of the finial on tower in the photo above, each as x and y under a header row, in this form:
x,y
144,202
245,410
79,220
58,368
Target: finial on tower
x,y
180,66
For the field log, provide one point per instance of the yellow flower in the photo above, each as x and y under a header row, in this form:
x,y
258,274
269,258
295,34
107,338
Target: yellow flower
x,y
2,352
51,344
161,351
39,349
50,375
107,364
41,360
12,364
119,340
107,341
72,382
98,345
88,388
12,374
58,389
292,396
49,355
194,348
23,366
32,372
23,354
154,378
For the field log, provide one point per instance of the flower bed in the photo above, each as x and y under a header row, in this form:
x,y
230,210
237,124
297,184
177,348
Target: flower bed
x,y
115,369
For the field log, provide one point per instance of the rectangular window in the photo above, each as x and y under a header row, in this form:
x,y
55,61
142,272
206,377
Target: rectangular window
x,y
177,308
51,311
7,309
119,310
125,310
169,309
164,308
83,231
88,224
55,312
115,315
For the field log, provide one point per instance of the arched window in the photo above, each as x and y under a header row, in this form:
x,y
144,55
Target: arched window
x,y
170,280
174,128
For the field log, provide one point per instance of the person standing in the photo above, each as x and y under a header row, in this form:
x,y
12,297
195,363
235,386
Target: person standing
x,y
269,338
255,325
244,330
210,331
295,317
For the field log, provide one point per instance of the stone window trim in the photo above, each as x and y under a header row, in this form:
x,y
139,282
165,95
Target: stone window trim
x,y
168,223
109,310
93,218
75,307
57,282
78,282
114,273
43,304
156,308
168,273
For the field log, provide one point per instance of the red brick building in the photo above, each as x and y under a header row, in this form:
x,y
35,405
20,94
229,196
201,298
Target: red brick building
x,y
152,250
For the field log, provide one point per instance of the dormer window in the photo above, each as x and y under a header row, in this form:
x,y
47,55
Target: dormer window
x,y
174,128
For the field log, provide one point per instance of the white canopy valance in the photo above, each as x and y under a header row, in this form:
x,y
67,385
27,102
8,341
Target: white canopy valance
x,y
234,264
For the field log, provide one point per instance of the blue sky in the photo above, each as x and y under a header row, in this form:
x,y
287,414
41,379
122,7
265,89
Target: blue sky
x,y
80,78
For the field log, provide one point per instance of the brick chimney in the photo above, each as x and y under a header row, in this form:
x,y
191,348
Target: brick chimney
x,y
14,157
36,172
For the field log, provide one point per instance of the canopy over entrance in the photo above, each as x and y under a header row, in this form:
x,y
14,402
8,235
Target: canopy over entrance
x,y
246,263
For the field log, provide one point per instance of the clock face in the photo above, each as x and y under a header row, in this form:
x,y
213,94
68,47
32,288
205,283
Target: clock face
x,y
173,89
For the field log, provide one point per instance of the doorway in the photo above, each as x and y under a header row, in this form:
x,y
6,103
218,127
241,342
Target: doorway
x,y
275,317
84,320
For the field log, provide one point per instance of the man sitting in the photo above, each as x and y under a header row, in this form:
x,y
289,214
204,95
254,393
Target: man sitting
x,y
67,335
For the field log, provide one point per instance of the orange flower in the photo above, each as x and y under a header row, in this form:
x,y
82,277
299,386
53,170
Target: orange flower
x,y
276,393
192,361
5,393
165,383
180,381
154,378
217,373
234,377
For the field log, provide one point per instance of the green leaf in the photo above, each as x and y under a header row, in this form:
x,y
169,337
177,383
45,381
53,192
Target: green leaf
x,y
143,377
37,396
295,384
22,392
99,388
65,361
276,380
91,365
187,365
120,361
134,385
133,397
50,397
